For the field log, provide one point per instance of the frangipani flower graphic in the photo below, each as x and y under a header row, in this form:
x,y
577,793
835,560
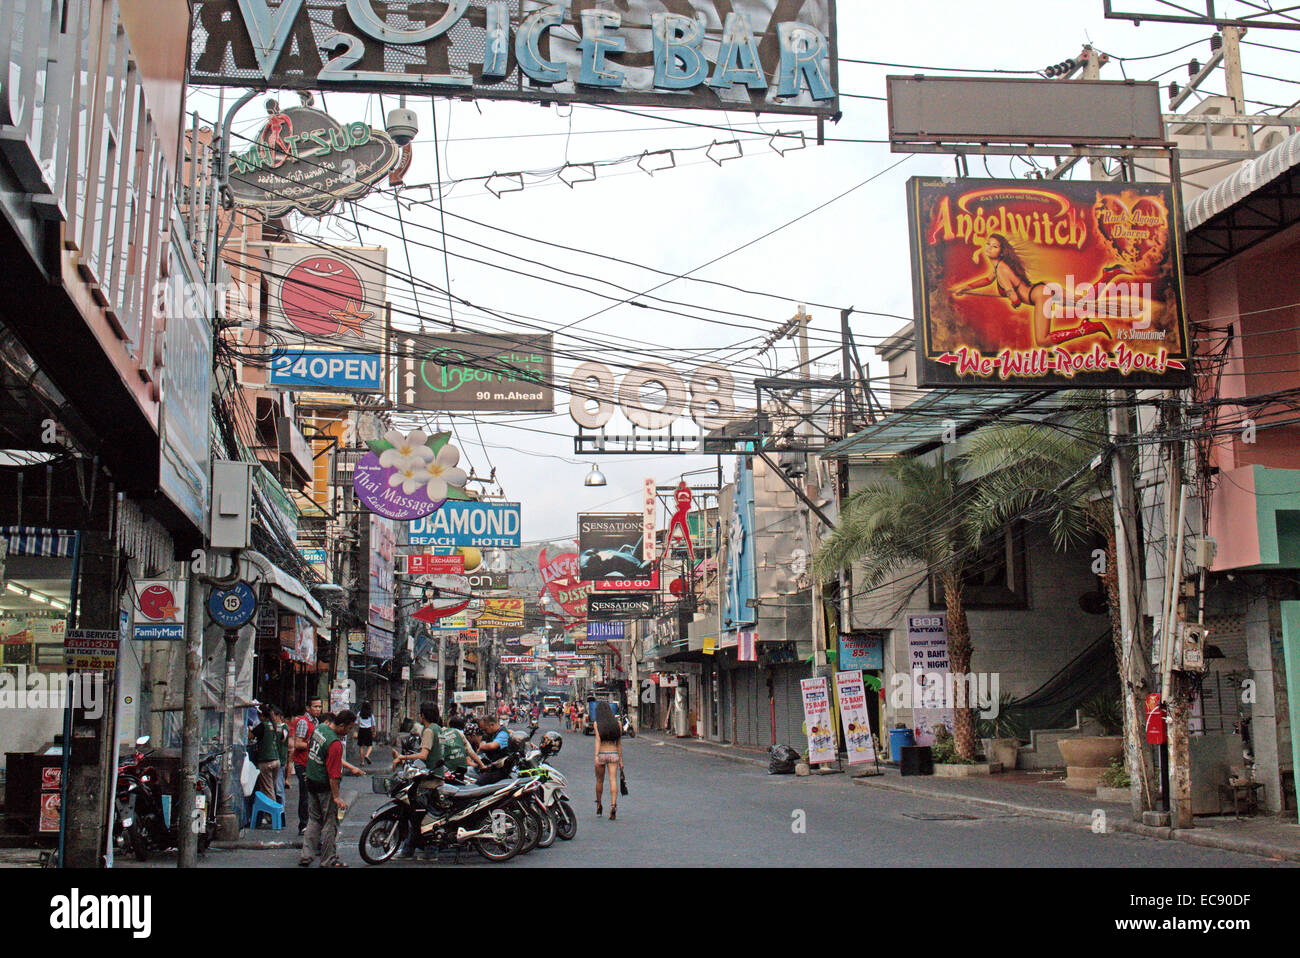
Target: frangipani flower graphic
x,y
410,452
443,473
409,477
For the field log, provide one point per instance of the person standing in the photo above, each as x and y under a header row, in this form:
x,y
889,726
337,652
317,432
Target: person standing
x,y
325,766
265,745
365,732
282,750
430,753
300,734
609,756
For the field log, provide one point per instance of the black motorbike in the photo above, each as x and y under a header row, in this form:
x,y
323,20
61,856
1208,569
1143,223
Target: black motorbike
x,y
140,824
450,816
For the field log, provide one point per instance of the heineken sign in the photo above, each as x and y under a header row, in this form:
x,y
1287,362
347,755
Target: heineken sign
x,y
305,160
774,56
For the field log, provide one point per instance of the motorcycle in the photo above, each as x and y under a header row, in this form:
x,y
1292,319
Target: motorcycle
x,y
626,724
554,785
139,823
539,825
484,817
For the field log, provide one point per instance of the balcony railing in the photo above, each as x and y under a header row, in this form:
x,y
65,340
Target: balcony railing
x,y
76,129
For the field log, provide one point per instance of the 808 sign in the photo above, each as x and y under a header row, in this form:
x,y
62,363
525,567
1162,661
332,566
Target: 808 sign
x,y
709,396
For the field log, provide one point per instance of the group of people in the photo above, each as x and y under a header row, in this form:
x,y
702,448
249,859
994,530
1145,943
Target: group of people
x,y
312,743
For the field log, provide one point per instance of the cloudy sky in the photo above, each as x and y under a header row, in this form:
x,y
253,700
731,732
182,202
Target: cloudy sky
x,y
822,225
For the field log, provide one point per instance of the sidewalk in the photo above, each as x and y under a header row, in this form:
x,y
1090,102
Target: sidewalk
x,y
1042,796
350,788
730,753
1019,792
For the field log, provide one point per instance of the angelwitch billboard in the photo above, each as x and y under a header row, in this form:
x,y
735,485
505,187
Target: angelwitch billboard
x,y
1047,283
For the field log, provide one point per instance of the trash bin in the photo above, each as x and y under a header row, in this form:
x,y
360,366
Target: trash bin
x,y
900,738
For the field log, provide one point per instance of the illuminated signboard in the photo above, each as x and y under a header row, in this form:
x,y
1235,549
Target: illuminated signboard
x,y
775,56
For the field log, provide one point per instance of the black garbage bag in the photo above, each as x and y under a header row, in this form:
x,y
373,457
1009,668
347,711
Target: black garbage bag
x,y
782,760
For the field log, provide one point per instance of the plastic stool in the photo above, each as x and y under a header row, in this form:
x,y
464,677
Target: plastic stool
x,y
263,804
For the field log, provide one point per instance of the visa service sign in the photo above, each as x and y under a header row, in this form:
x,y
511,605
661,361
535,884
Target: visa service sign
x,y
776,56
491,525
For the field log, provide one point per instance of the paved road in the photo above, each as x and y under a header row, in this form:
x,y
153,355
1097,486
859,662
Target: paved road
x,y
697,810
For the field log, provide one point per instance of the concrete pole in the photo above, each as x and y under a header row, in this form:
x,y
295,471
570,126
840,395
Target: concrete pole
x,y
227,818
1232,76
1133,669
187,856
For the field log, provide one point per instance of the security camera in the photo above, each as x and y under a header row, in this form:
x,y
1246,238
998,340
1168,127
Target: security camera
x,y
402,126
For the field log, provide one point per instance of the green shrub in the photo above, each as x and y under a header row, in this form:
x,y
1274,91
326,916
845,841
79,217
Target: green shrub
x,y
1107,712
1116,775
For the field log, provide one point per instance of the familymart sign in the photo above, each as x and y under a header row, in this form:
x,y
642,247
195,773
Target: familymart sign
x,y
776,56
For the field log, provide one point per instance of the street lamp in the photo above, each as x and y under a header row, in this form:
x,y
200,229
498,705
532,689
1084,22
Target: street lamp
x,y
595,477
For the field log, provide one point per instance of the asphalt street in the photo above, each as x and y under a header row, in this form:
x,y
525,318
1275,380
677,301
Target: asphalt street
x,y
688,809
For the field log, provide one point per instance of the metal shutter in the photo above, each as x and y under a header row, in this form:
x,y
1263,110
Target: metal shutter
x,y
789,706
747,715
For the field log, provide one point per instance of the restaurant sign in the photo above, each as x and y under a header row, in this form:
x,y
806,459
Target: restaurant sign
x,y
305,160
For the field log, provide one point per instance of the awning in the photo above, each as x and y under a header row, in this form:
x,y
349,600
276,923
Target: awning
x,y
921,425
286,591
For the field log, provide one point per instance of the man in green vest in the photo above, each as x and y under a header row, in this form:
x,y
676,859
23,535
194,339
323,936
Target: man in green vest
x,y
324,804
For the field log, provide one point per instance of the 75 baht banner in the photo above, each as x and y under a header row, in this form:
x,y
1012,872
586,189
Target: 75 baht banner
x,y
1022,283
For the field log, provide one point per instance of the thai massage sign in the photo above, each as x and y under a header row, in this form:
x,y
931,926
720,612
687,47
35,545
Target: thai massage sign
x,y
409,476
1033,283
776,56
305,160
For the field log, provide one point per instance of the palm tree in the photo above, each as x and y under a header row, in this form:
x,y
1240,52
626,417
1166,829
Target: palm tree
x,y
1045,470
916,515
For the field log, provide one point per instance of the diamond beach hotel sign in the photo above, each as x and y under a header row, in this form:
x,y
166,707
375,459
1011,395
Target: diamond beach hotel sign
x,y
775,56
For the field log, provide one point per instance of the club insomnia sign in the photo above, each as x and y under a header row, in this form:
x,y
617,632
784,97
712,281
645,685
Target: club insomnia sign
x,y
776,56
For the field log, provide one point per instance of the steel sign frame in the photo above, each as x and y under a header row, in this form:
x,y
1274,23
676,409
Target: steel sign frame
x,y
1209,19
769,56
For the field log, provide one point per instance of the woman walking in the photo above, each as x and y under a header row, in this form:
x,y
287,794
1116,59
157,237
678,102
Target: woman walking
x,y
609,756
365,732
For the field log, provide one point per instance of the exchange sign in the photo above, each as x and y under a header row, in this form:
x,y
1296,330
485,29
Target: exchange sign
x,y
1060,283
776,56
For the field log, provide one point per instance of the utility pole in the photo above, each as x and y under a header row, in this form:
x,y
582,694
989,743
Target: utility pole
x,y
184,814
1173,683
1134,665
92,767
1232,77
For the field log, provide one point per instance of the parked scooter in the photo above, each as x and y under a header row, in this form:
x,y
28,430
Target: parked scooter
x,y
554,784
484,817
140,824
